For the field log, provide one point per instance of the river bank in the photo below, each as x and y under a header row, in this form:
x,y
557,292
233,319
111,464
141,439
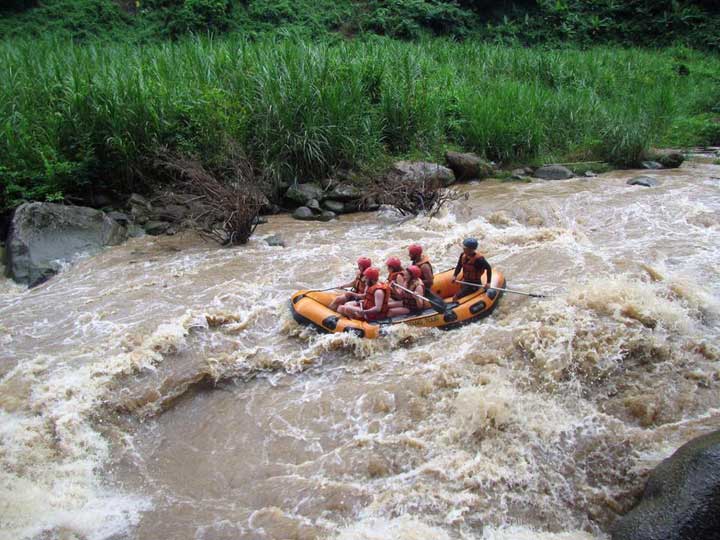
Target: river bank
x,y
164,391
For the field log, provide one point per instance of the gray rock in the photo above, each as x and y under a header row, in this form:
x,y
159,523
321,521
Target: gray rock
x,y
681,500
260,220
44,235
423,171
327,215
122,219
173,213
468,166
671,160
303,193
156,228
590,174
303,213
519,173
645,181
371,205
334,206
135,231
652,165
139,200
553,172
344,193
275,240
314,205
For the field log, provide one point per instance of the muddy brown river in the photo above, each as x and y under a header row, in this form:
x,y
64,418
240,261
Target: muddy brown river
x,y
161,390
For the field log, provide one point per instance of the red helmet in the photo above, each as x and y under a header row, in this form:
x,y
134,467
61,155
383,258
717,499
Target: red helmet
x,y
372,273
394,262
363,263
415,251
415,271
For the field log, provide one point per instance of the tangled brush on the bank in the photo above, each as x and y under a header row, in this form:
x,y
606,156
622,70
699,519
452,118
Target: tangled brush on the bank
x,y
226,200
410,196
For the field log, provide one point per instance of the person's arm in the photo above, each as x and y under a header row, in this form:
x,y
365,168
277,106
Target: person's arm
x,y
426,273
379,298
419,290
458,267
482,264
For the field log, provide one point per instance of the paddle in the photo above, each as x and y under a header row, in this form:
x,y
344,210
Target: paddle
x,y
504,290
437,307
328,289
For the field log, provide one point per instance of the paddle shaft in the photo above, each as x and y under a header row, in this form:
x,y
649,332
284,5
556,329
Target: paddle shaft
x,y
328,289
503,290
419,296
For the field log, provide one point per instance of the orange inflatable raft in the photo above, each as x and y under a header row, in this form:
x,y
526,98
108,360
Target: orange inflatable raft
x,y
311,308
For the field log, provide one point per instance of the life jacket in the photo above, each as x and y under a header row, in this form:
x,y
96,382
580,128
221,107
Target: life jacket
x,y
392,278
427,282
470,273
410,301
369,300
358,285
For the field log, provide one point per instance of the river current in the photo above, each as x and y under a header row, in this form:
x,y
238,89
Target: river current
x,y
162,390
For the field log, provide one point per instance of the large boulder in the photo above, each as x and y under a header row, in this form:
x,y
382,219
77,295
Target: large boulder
x,y
302,194
344,193
681,500
44,235
468,166
430,174
334,206
670,159
645,181
553,172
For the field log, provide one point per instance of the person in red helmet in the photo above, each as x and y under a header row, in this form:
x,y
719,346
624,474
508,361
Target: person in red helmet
x,y
409,302
357,285
395,275
423,263
375,302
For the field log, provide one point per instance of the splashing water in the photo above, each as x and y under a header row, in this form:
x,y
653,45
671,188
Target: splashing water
x,y
162,390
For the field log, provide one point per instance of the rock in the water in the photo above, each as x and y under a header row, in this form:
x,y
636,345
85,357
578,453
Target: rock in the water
x,y
122,219
334,206
327,215
174,213
553,172
275,240
344,193
303,213
432,174
652,165
140,208
314,205
43,235
468,166
681,500
645,181
303,193
671,160
156,228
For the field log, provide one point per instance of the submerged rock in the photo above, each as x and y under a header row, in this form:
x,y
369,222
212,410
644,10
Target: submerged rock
x,y
44,235
554,172
156,228
681,500
468,166
275,240
652,165
645,181
303,213
334,206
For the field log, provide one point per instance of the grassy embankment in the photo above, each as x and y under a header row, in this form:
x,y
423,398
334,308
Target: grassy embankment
x,y
75,116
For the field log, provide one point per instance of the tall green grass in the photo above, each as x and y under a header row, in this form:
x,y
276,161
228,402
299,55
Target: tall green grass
x,y
76,115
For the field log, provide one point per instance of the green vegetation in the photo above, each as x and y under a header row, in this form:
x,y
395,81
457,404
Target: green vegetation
x,y
77,116
642,22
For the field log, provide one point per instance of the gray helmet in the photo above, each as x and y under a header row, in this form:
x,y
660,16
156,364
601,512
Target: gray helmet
x,y
470,243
